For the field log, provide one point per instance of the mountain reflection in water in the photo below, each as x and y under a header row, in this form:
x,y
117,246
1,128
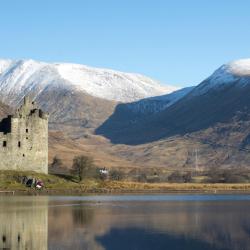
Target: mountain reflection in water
x,y
103,223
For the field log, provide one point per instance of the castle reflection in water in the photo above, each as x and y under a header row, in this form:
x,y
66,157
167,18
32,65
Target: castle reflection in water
x,y
24,225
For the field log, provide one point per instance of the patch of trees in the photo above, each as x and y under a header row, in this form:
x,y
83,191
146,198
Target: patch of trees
x,y
215,175
159,176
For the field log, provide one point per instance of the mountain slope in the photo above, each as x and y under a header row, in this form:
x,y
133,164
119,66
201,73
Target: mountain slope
x,y
156,104
136,113
222,98
74,112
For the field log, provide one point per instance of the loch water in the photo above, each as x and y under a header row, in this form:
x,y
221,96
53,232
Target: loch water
x,y
124,222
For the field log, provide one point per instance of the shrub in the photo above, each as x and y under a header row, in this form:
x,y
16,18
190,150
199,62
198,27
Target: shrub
x,y
116,175
175,177
178,177
142,177
57,162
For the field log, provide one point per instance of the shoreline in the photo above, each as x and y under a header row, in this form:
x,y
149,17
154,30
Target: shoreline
x,y
123,187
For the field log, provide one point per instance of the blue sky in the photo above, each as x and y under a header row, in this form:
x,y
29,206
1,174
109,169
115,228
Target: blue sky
x,y
178,42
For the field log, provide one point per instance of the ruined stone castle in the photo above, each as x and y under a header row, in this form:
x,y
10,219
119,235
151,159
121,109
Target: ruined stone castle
x,y
24,139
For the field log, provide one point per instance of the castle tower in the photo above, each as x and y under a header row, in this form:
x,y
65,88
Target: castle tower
x,y
24,139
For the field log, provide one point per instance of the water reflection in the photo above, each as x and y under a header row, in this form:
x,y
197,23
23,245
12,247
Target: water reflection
x,y
23,223
135,238
76,223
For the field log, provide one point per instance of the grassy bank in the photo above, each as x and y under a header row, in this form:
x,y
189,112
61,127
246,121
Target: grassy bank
x,y
10,181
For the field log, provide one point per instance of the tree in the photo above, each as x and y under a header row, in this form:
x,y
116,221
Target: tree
x,y
187,177
82,165
57,162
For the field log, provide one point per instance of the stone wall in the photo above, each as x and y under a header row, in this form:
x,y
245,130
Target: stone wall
x,y
24,142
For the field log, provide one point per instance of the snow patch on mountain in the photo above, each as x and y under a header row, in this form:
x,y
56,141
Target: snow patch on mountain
x,y
156,104
4,64
240,67
22,77
110,84
236,72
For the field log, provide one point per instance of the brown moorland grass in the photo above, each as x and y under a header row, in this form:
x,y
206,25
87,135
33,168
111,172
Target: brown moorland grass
x,y
118,185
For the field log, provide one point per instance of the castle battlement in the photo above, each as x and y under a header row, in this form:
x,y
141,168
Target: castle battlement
x,y
24,139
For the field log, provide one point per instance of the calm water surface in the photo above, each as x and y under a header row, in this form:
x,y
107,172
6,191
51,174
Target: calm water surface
x,y
124,222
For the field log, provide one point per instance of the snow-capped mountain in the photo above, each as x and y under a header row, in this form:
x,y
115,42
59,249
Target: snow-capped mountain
x,y
222,98
78,98
236,72
21,77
